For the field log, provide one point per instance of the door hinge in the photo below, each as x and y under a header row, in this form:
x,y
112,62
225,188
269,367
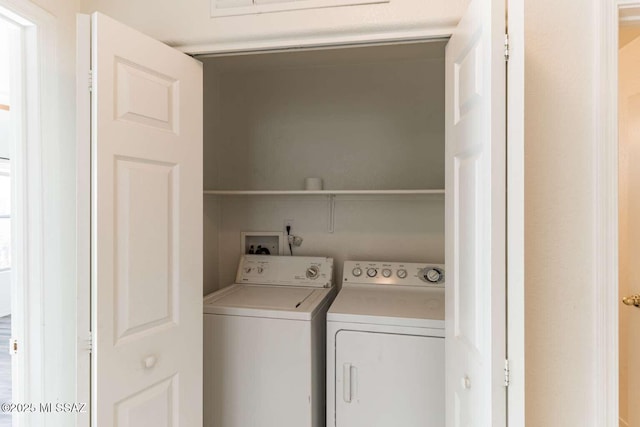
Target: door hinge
x,y
506,47
90,81
507,373
13,346
88,342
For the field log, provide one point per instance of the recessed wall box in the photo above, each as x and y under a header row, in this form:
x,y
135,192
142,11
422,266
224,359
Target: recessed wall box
x,y
262,242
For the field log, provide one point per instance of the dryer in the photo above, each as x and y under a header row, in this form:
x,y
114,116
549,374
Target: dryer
x,y
264,344
385,346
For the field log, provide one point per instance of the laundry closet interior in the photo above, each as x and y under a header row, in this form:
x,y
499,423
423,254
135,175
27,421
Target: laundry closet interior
x,y
368,120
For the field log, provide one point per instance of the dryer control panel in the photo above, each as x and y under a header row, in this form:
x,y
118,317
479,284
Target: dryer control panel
x,y
393,273
316,272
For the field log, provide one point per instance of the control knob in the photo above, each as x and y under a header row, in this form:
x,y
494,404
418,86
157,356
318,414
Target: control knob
x,y
402,273
312,272
432,275
372,272
357,272
386,272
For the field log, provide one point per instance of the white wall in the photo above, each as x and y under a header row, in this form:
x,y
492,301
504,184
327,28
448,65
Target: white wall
x,y
367,118
559,219
400,229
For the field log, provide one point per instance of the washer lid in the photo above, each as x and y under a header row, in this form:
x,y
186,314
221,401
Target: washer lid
x,y
389,305
266,301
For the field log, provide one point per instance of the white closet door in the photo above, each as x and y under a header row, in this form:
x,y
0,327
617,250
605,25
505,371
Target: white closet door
x,y
146,231
385,380
475,218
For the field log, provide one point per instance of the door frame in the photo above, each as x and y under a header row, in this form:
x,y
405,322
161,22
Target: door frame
x,y
606,298
515,263
37,108
83,215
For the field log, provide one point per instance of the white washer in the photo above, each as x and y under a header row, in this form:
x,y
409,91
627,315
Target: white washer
x,y
264,344
385,347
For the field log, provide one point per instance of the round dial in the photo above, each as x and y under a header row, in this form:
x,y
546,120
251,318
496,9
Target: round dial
x,y
357,272
312,272
260,270
386,272
433,275
402,273
372,272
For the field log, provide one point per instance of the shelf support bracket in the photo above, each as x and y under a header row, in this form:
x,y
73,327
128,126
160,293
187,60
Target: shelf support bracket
x,y
332,212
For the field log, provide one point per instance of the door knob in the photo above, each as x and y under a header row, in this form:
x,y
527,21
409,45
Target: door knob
x,y
466,382
149,362
632,300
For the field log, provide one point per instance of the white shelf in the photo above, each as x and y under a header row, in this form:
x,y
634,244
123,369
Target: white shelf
x,y
317,193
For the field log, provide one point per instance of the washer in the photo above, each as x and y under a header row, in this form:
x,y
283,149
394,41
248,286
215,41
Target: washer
x,y
385,346
264,344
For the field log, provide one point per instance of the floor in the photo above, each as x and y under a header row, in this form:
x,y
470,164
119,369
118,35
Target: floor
x,y
5,368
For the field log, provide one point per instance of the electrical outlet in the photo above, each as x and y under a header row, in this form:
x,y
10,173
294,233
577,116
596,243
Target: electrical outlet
x,y
288,223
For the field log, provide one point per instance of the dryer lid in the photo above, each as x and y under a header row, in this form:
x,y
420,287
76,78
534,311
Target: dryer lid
x,y
389,305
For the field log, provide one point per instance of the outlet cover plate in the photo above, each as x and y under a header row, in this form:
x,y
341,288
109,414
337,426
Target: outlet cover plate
x,y
272,240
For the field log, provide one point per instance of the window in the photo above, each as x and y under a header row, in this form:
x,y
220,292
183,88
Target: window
x,y
5,215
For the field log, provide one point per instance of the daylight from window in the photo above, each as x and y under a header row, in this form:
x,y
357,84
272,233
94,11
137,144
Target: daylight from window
x,y
5,220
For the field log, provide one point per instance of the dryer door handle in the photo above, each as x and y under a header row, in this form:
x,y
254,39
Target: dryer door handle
x,y
349,378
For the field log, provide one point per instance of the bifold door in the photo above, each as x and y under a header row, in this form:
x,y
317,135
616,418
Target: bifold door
x,y
146,219
475,230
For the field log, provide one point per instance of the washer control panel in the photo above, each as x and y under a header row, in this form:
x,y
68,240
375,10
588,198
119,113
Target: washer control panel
x,y
393,273
314,272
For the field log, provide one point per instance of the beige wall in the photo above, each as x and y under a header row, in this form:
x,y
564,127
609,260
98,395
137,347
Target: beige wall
x,y
559,221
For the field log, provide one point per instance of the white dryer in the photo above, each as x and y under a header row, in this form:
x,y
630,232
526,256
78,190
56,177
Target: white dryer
x,y
385,347
264,344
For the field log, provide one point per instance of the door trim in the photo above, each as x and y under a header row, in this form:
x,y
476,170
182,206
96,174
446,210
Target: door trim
x,y
40,138
83,215
516,331
315,42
